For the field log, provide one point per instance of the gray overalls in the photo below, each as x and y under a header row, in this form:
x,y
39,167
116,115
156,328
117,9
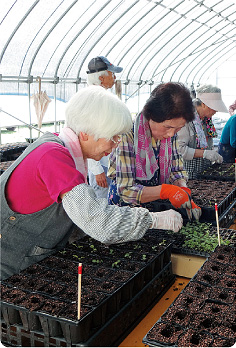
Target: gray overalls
x,y
29,238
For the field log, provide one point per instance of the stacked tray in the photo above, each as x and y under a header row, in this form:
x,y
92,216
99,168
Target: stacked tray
x,y
43,298
204,313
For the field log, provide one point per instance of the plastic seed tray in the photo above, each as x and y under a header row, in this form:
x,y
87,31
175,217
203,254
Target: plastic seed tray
x,y
219,172
179,239
42,300
204,313
4,166
10,151
205,194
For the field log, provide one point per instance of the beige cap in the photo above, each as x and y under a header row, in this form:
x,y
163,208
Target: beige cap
x,y
213,101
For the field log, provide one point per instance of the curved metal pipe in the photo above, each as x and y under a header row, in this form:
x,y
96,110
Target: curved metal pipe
x,y
130,28
46,36
203,52
77,35
207,63
16,28
36,36
158,21
110,27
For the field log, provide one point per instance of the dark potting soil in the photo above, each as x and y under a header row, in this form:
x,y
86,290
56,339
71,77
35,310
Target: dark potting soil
x,y
206,193
206,308
224,254
227,282
164,333
177,315
189,302
214,267
195,338
222,342
215,309
197,289
206,277
224,295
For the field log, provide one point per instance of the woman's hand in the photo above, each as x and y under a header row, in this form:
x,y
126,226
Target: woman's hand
x,y
101,180
176,195
167,220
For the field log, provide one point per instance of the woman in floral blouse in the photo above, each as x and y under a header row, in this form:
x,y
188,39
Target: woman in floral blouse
x,y
196,137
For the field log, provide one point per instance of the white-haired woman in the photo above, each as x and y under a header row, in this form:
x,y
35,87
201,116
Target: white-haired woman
x,y
196,137
45,191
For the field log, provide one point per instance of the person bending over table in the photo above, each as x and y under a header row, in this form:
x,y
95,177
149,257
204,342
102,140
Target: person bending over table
x,y
147,165
45,191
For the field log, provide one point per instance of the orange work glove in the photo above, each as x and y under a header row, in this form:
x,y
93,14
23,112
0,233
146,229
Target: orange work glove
x,y
186,189
196,210
178,197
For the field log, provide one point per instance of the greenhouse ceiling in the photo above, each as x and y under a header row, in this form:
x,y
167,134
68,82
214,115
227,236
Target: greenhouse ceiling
x,y
154,41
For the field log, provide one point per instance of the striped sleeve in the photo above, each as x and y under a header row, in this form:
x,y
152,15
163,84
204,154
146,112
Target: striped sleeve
x,y
106,223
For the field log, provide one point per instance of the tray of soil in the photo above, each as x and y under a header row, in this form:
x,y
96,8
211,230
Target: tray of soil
x,y
205,194
116,279
4,166
11,151
204,313
198,239
219,172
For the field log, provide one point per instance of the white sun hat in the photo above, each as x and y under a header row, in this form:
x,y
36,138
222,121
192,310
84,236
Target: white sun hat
x,y
213,101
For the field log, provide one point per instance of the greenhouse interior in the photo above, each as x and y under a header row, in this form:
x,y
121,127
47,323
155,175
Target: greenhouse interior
x,y
130,240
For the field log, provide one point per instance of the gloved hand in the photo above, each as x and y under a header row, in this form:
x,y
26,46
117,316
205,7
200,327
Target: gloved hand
x,y
212,156
176,195
167,220
186,189
195,210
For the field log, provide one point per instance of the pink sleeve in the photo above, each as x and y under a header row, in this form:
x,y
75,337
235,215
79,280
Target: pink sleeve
x,y
57,172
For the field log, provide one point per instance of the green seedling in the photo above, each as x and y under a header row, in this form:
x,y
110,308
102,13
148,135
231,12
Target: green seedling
x,y
116,264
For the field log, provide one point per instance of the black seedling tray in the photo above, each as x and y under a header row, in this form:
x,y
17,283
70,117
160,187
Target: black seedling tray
x,y
11,151
88,331
4,166
179,239
225,205
53,283
219,172
205,305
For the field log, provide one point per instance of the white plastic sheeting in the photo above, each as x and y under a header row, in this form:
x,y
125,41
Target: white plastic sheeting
x,y
180,40
154,41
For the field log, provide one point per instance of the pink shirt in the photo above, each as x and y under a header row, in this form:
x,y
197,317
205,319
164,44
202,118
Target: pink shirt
x,y
41,177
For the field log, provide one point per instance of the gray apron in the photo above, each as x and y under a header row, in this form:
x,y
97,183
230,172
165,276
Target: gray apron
x,y
29,238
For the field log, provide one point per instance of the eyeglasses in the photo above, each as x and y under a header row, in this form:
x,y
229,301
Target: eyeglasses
x,y
118,139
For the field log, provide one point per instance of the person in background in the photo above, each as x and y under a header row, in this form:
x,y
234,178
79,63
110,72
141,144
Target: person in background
x,y
39,214
227,144
196,137
101,73
146,165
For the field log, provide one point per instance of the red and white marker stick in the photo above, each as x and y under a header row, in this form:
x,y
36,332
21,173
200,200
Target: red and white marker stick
x,y
79,288
217,223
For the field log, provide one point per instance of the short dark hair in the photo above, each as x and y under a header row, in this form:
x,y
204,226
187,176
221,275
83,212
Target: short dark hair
x,y
167,101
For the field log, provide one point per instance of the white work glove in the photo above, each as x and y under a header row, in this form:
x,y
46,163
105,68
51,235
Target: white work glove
x,y
212,156
167,220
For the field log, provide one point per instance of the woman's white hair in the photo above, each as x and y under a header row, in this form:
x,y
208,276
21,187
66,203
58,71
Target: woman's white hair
x,y
93,79
97,112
